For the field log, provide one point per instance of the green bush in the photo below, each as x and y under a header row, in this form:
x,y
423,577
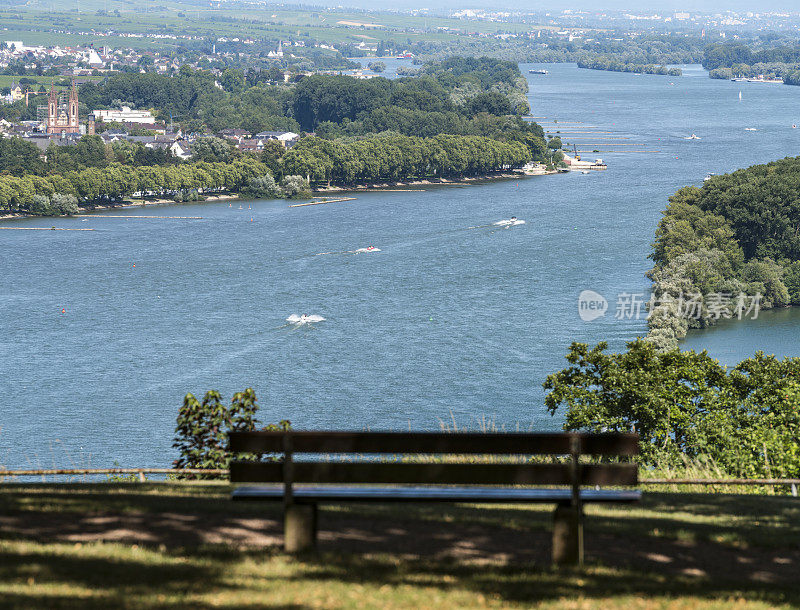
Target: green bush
x,y
262,187
296,187
201,435
686,405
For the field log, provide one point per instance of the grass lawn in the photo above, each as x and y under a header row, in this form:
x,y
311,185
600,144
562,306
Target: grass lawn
x,y
180,545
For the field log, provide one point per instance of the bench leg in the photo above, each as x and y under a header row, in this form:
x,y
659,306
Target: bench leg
x,y
567,536
299,527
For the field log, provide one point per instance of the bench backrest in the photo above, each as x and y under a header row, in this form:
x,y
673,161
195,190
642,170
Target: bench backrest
x,y
359,469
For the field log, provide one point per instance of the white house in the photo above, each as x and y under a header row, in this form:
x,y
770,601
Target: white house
x,y
124,115
284,137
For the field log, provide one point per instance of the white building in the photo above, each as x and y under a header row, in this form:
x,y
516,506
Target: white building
x,y
93,58
284,137
124,115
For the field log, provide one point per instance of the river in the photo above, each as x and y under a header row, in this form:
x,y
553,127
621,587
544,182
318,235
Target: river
x,y
448,322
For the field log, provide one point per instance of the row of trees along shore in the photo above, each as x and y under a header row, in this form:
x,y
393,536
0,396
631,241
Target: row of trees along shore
x,y
738,234
380,158
613,64
738,60
392,156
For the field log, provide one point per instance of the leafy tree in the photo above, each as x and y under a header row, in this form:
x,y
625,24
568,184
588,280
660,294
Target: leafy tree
x,y
296,187
554,143
685,404
19,157
213,149
232,80
262,187
201,435
490,102
271,156
64,203
91,151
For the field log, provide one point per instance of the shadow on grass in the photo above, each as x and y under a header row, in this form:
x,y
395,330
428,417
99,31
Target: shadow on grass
x,y
532,584
27,601
708,547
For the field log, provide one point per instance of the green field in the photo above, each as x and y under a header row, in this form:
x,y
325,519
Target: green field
x,y
47,23
6,80
176,546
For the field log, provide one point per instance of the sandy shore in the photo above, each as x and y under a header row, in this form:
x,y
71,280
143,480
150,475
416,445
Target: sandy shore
x,y
127,203
510,175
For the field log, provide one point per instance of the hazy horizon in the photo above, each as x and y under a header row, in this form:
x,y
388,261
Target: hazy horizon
x,y
612,5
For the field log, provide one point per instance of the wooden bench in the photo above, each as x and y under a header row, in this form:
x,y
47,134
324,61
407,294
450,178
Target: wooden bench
x,y
368,468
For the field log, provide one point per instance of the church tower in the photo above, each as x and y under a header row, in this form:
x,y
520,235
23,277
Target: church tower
x,y
52,109
63,118
73,110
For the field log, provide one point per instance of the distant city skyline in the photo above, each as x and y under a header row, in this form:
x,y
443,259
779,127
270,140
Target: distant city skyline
x,y
788,6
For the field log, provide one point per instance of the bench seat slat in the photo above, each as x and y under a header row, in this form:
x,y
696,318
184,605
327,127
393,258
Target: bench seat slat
x,y
437,473
620,444
433,494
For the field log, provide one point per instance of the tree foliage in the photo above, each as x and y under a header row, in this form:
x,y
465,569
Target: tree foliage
x,y
685,404
739,233
391,156
613,64
115,181
201,434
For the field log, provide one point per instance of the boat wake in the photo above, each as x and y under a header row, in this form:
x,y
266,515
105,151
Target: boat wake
x,y
366,250
301,320
511,222
505,224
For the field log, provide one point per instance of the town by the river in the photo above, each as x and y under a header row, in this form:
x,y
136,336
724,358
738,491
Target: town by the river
x,y
450,320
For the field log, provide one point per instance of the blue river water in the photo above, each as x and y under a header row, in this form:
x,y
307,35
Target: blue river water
x,y
454,320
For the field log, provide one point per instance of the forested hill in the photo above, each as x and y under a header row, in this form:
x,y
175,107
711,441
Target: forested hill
x,y
738,234
460,118
774,59
460,86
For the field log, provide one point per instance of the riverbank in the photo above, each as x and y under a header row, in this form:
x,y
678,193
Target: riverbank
x,y
127,203
376,186
734,229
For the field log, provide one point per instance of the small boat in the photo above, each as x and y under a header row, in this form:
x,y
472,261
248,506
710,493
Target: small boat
x,y
708,177
750,129
585,171
692,137
538,72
